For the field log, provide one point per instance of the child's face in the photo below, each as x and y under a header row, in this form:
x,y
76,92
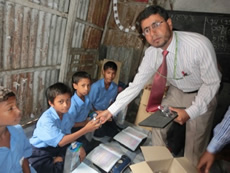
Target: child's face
x,y
109,75
82,87
10,114
61,103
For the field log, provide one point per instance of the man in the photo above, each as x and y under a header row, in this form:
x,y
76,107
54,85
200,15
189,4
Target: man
x,y
192,75
220,138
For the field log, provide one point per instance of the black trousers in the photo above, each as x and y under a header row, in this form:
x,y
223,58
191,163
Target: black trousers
x,y
42,159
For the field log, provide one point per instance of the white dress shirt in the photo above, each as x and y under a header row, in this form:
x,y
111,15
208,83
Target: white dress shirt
x,y
195,68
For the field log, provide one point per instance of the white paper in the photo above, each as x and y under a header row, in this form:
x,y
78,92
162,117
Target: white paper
x,y
130,137
104,157
83,168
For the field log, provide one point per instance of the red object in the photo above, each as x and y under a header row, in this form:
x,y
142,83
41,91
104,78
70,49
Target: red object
x,y
158,86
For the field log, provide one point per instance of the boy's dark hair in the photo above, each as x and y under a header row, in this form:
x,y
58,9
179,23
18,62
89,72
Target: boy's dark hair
x,y
5,94
154,9
110,64
57,89
77,76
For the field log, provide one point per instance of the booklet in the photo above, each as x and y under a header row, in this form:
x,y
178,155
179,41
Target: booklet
x,y
130,137
108,158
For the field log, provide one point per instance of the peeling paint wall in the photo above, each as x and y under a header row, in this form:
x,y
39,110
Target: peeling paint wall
x,y
33,36
31,44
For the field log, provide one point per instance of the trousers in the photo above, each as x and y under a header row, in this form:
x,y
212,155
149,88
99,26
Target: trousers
x,y
198,130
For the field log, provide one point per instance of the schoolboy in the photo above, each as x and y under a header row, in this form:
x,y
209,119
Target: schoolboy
x,y
14,146
104,91
81,106
52,133
102,94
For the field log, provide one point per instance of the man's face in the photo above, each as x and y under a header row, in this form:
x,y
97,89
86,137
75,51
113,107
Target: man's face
x,y
82,87
61,103
158,36
10,114
109,75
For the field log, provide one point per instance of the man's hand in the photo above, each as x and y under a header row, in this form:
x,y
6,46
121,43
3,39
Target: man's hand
x,y
205,162
182,118
104,116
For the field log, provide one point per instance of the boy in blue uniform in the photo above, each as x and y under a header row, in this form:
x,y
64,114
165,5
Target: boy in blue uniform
x,y
81,106
14,146
102,94
104,91
52,133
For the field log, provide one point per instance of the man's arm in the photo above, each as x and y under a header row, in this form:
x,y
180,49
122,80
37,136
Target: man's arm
x,y
220,139
210,77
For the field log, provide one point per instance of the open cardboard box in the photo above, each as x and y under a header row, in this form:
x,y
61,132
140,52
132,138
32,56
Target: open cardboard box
x,y
159,159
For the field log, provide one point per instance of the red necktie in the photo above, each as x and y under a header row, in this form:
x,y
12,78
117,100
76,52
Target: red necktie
x,y
158,86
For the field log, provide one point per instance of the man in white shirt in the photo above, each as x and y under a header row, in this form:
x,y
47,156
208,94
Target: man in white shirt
x,y
192,75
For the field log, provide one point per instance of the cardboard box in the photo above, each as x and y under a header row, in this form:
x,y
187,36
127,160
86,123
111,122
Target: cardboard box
x,y
159,159
145,96
142,114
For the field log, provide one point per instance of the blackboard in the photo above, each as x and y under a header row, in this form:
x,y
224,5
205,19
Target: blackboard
x,y
215,26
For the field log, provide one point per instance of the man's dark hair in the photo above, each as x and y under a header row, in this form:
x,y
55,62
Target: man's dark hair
x,y
154,9
80,75
57,89
110,64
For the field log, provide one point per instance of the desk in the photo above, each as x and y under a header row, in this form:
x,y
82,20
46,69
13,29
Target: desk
x,y
135,156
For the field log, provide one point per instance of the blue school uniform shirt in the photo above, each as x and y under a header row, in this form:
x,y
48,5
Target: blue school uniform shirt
x,y
79,109
50,129
100,97
19,148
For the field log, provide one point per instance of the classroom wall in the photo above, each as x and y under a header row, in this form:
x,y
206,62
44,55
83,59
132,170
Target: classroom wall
x,y
43,41
212,6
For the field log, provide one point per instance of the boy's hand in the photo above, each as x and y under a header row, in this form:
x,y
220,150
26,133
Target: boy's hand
x,y
104,116
92,125
205,162
82,154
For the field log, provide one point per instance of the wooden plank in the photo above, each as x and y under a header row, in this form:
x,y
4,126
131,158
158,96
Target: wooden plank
x,y
33,37
57,42
45,39
62,38
9,30
39,7
1,34
67,41
25,70
51,39
25,37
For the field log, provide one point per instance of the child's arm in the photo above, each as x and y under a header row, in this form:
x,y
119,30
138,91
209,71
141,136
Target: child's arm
x,y
89,127
25,166
81,124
